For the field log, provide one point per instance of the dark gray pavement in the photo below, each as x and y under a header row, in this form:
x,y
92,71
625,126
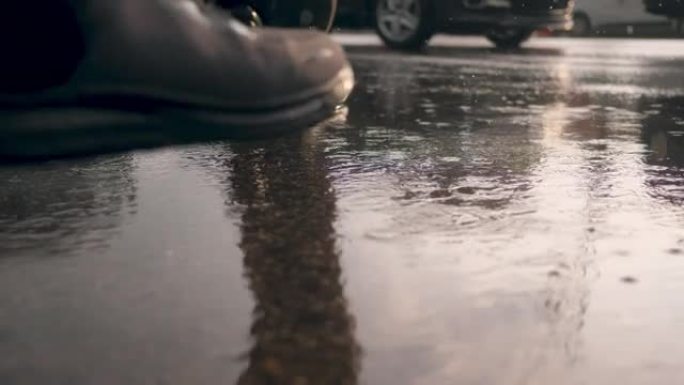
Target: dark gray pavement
x,y
473,217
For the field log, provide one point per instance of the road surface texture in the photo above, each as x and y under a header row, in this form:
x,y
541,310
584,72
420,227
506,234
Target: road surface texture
x,y
474,217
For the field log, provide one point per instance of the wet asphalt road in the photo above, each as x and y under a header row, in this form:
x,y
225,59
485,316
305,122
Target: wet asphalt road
x,y
475,217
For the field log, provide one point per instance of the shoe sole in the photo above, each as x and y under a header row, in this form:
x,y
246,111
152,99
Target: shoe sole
x,y
49,132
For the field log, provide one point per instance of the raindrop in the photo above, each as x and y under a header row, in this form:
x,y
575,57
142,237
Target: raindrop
x,y
629,280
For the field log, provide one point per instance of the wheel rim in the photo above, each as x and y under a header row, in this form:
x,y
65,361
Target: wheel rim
x,y
307,17
333,14
313,14
398,20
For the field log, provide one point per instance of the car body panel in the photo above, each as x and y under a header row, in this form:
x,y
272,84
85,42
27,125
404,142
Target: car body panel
x,y
479,15
670,8
612,12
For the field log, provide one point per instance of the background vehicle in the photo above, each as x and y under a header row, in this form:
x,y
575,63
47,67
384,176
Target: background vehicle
x,y
673,9
409,24
613,16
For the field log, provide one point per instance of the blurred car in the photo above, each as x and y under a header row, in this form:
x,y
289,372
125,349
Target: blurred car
x,y
409,24
593,16
673,9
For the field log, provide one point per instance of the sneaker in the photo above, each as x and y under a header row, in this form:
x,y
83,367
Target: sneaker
x,y
93,76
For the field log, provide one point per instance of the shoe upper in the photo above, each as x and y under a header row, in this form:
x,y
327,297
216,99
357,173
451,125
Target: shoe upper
x,y
183,52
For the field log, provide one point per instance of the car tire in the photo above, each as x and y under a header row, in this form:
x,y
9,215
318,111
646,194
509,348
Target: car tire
x,y
581,25
405,24
311,14
508,38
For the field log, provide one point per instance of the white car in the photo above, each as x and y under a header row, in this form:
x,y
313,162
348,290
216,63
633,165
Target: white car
x,y
591,16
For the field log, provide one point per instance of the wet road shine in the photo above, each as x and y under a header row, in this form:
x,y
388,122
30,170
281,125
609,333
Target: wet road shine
x,y
474,217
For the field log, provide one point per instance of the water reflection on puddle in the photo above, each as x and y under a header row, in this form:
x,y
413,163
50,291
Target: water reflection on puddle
x,y
463,223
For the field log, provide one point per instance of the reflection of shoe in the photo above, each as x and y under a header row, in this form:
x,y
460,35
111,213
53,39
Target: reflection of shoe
x,y
133,73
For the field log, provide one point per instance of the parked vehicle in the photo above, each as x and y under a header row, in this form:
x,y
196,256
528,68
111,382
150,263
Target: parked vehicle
x,y
592,16
673,9
409,24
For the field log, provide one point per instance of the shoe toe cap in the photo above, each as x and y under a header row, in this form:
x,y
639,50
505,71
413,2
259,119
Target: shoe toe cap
x,y
308,62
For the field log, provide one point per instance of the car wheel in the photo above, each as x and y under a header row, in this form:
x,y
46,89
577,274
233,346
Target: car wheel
x,y
581,25
508,38
405,24
312,14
